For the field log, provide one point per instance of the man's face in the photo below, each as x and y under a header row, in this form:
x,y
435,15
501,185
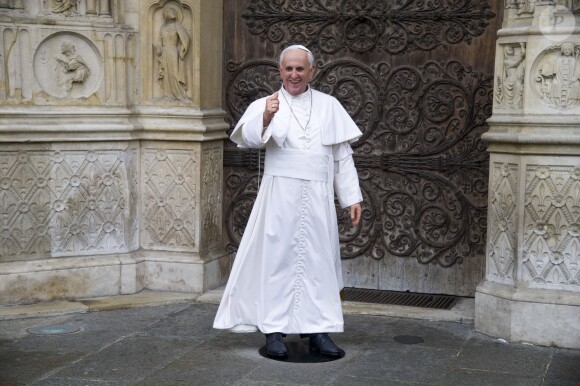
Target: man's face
x,y
296,71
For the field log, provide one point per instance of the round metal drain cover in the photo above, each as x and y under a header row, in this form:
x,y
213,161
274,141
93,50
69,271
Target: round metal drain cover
x,y
408,339
57,329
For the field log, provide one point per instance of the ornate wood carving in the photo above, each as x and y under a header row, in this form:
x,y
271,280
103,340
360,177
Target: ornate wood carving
x,y
401,70
422,166
359,26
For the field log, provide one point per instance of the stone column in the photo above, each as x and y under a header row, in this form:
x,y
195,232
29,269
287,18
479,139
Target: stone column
x,y
531,292
182,128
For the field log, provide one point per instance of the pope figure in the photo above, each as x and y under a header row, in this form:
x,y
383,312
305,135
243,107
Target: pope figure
x,y
286,277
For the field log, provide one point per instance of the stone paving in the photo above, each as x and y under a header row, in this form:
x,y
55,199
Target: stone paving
x,y
175,345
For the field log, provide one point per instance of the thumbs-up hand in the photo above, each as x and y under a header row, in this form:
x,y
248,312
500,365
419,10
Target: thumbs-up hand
x,y
272,106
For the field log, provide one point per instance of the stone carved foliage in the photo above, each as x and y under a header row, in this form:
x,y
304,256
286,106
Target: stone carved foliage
x,y
552,226
422,166
510,82
501,251
557,75
62,203
169,199
360,26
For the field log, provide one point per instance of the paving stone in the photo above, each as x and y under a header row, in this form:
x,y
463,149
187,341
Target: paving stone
x,y
193,322
487,378
564,367
23,367
126,359
487,354
72,382
176,344
404,363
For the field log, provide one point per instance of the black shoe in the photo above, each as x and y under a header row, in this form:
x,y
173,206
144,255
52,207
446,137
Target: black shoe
x,y
275,346
323,344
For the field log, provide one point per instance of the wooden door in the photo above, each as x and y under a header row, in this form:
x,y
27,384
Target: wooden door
x,y
417,77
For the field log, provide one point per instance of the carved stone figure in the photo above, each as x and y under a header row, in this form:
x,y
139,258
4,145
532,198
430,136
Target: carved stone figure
x,y
66,7
525,6
70,68
511,83
560,78
171,50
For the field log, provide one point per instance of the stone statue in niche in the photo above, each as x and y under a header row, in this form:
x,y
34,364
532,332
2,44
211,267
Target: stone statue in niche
x,y
66,7
170,51
70,68
560,78
510,85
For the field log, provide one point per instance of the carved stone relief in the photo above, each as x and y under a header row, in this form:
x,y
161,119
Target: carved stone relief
x,y
171,49
557,76
63,203
67,65
66,7
502,218
552,226
76,8
522,7
169,189
510,82
170,39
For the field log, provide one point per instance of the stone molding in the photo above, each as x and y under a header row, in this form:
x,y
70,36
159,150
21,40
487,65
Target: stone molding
x,y
93,124
107,275
543,317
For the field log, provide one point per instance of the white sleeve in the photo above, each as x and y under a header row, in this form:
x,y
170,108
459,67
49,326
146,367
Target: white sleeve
x,y
346,185
249,132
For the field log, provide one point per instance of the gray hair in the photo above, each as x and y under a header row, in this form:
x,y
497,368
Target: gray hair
x,y
298,47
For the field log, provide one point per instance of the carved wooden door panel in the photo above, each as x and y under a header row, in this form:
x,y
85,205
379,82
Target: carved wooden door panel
x,y
417,77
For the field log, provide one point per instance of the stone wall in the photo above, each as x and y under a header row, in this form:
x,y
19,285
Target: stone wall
x,y
110,148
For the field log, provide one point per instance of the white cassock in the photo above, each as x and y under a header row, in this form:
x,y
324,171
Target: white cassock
x,y
287,275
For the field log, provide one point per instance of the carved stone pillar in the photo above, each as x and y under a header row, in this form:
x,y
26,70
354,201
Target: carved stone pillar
x,y
182,127
531,291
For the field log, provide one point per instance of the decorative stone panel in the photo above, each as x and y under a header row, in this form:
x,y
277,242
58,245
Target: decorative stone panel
x,y
502,220
170,172
551,255
65,202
